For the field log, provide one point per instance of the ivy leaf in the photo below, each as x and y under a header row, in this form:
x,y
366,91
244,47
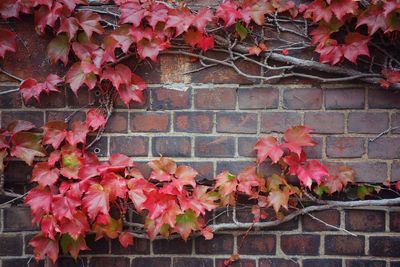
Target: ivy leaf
x,y
313,171
203,17
90,22
137,191
73,246
70,26
268,147
19,126
180,19
390,6
125,239
297,137
79,225
95,119
123,37
247,180
132,12
192,37
64,206
51,82
206,43
226,183
49,227
54,133
7,41
330,52
76,77
133,91
157,203
186,223
58,49
44,246
39,199
70,161
107,226
162,169
373,18
27,146
241,30
318,10
78,133
96,201
31,88
121,74
227,11
115,185
278,198
364,190
9,9
256,11
356,45
185,176
150,49
343,7
44,174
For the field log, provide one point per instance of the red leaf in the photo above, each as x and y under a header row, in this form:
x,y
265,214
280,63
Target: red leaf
x,y
137,191
73,246
27,146
157,203
298,137
254,50
95,119
204,16
330,52
389,6
226,183
180,19
31,88
206,43
90,22
132,12
125,239
356,45
278,198
185,176
96,201
313,171
43,246
19,126
79,225
228,12
76,77
162,169
39,199
116,163
121,74
134,91
123,37
318,10
156,13
373,18
115,185
49,227
54,133
50,84
247,180
78,133
257,12
192,37
343,7
58,49
150,49
268,147
70,161
44,174
70,26
7,41
9,9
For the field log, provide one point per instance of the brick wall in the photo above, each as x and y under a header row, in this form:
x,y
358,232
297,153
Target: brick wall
x,y
213,126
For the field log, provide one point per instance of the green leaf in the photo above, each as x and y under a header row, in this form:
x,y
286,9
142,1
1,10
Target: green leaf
x,y
241,30
363,191
186,222
72,246
321,190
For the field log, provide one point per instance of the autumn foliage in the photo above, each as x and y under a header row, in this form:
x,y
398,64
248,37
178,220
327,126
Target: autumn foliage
x,y
75,193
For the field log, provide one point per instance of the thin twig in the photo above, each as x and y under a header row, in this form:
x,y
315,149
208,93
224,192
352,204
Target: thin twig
x,y
11,75
16,197
388,130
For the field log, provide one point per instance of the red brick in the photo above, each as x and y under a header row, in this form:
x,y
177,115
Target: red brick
x,y
279,121
17,219
10,100
246,145
218,98
170,99
257,244
329,122
11,244
109,261
149,122
331,217
129,145
394,221
140,247
100,148
52,100
395,171
258,98
134,105
236,122
117,123
177,146
276,262
314,152
365,220
220,244
300,244
239,263
62,115
193,122
384,246
369,171
307,98
151,261
378,98
83,98
173,246
214,146
365,263
344,245
384,148
345,147
344,98
35,117
367,122
192,262
233,166
322,262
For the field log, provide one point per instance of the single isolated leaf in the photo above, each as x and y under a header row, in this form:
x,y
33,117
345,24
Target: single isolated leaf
x,y
298,137
7,41
268,147
27,146
95,119
186,223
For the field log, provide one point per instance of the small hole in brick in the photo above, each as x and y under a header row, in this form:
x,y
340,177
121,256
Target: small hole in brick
x,y
97,150
97,93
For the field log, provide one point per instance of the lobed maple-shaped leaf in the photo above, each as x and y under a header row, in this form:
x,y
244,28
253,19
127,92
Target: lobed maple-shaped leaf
x,y
314,170
157,203
95,119
49,227
256,11
70,26
123,37
297,137
58,49
96,201
64,206
355,45
228,12
323,32
201,200
19,126
31,88
125,239
76,77
247,180
75,227
132,12
133,91
78,133
7,41
44,174
73,245
226,183
120,74
150,48
180,19
162,169
26,146
343,7
268,147
39,199
374,18
331,52
70,161
106,225
391,76
54,133
294,162
204,16
186,223
90,22
115,185
278,198
116,163
185,175
137,191
318,10
44,246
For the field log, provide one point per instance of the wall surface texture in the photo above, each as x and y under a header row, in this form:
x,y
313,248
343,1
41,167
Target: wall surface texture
x,y
212,126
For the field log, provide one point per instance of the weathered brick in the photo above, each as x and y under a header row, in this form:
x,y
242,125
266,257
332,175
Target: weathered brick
x,y
17,172
331,217
258,98
117,123
396,122
100,148
83,98
218,98
314,152
193,122
170,99
367,122
140,247
100,246
344,147
129,145
51,100
365,220
204,168
394,221
233,166
236,122
214,146
384,246
149,122
384,148
177,146
300,244
329,122
279,121
10,100
378,98
18,219
395,174
62,115
173,246
35,117
118,103
322,262
364,263
245,146
220,244
11,244
239,263
344,245
276,262
344,98
369,171
109,261
304,98
192,262
151,262
257,244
